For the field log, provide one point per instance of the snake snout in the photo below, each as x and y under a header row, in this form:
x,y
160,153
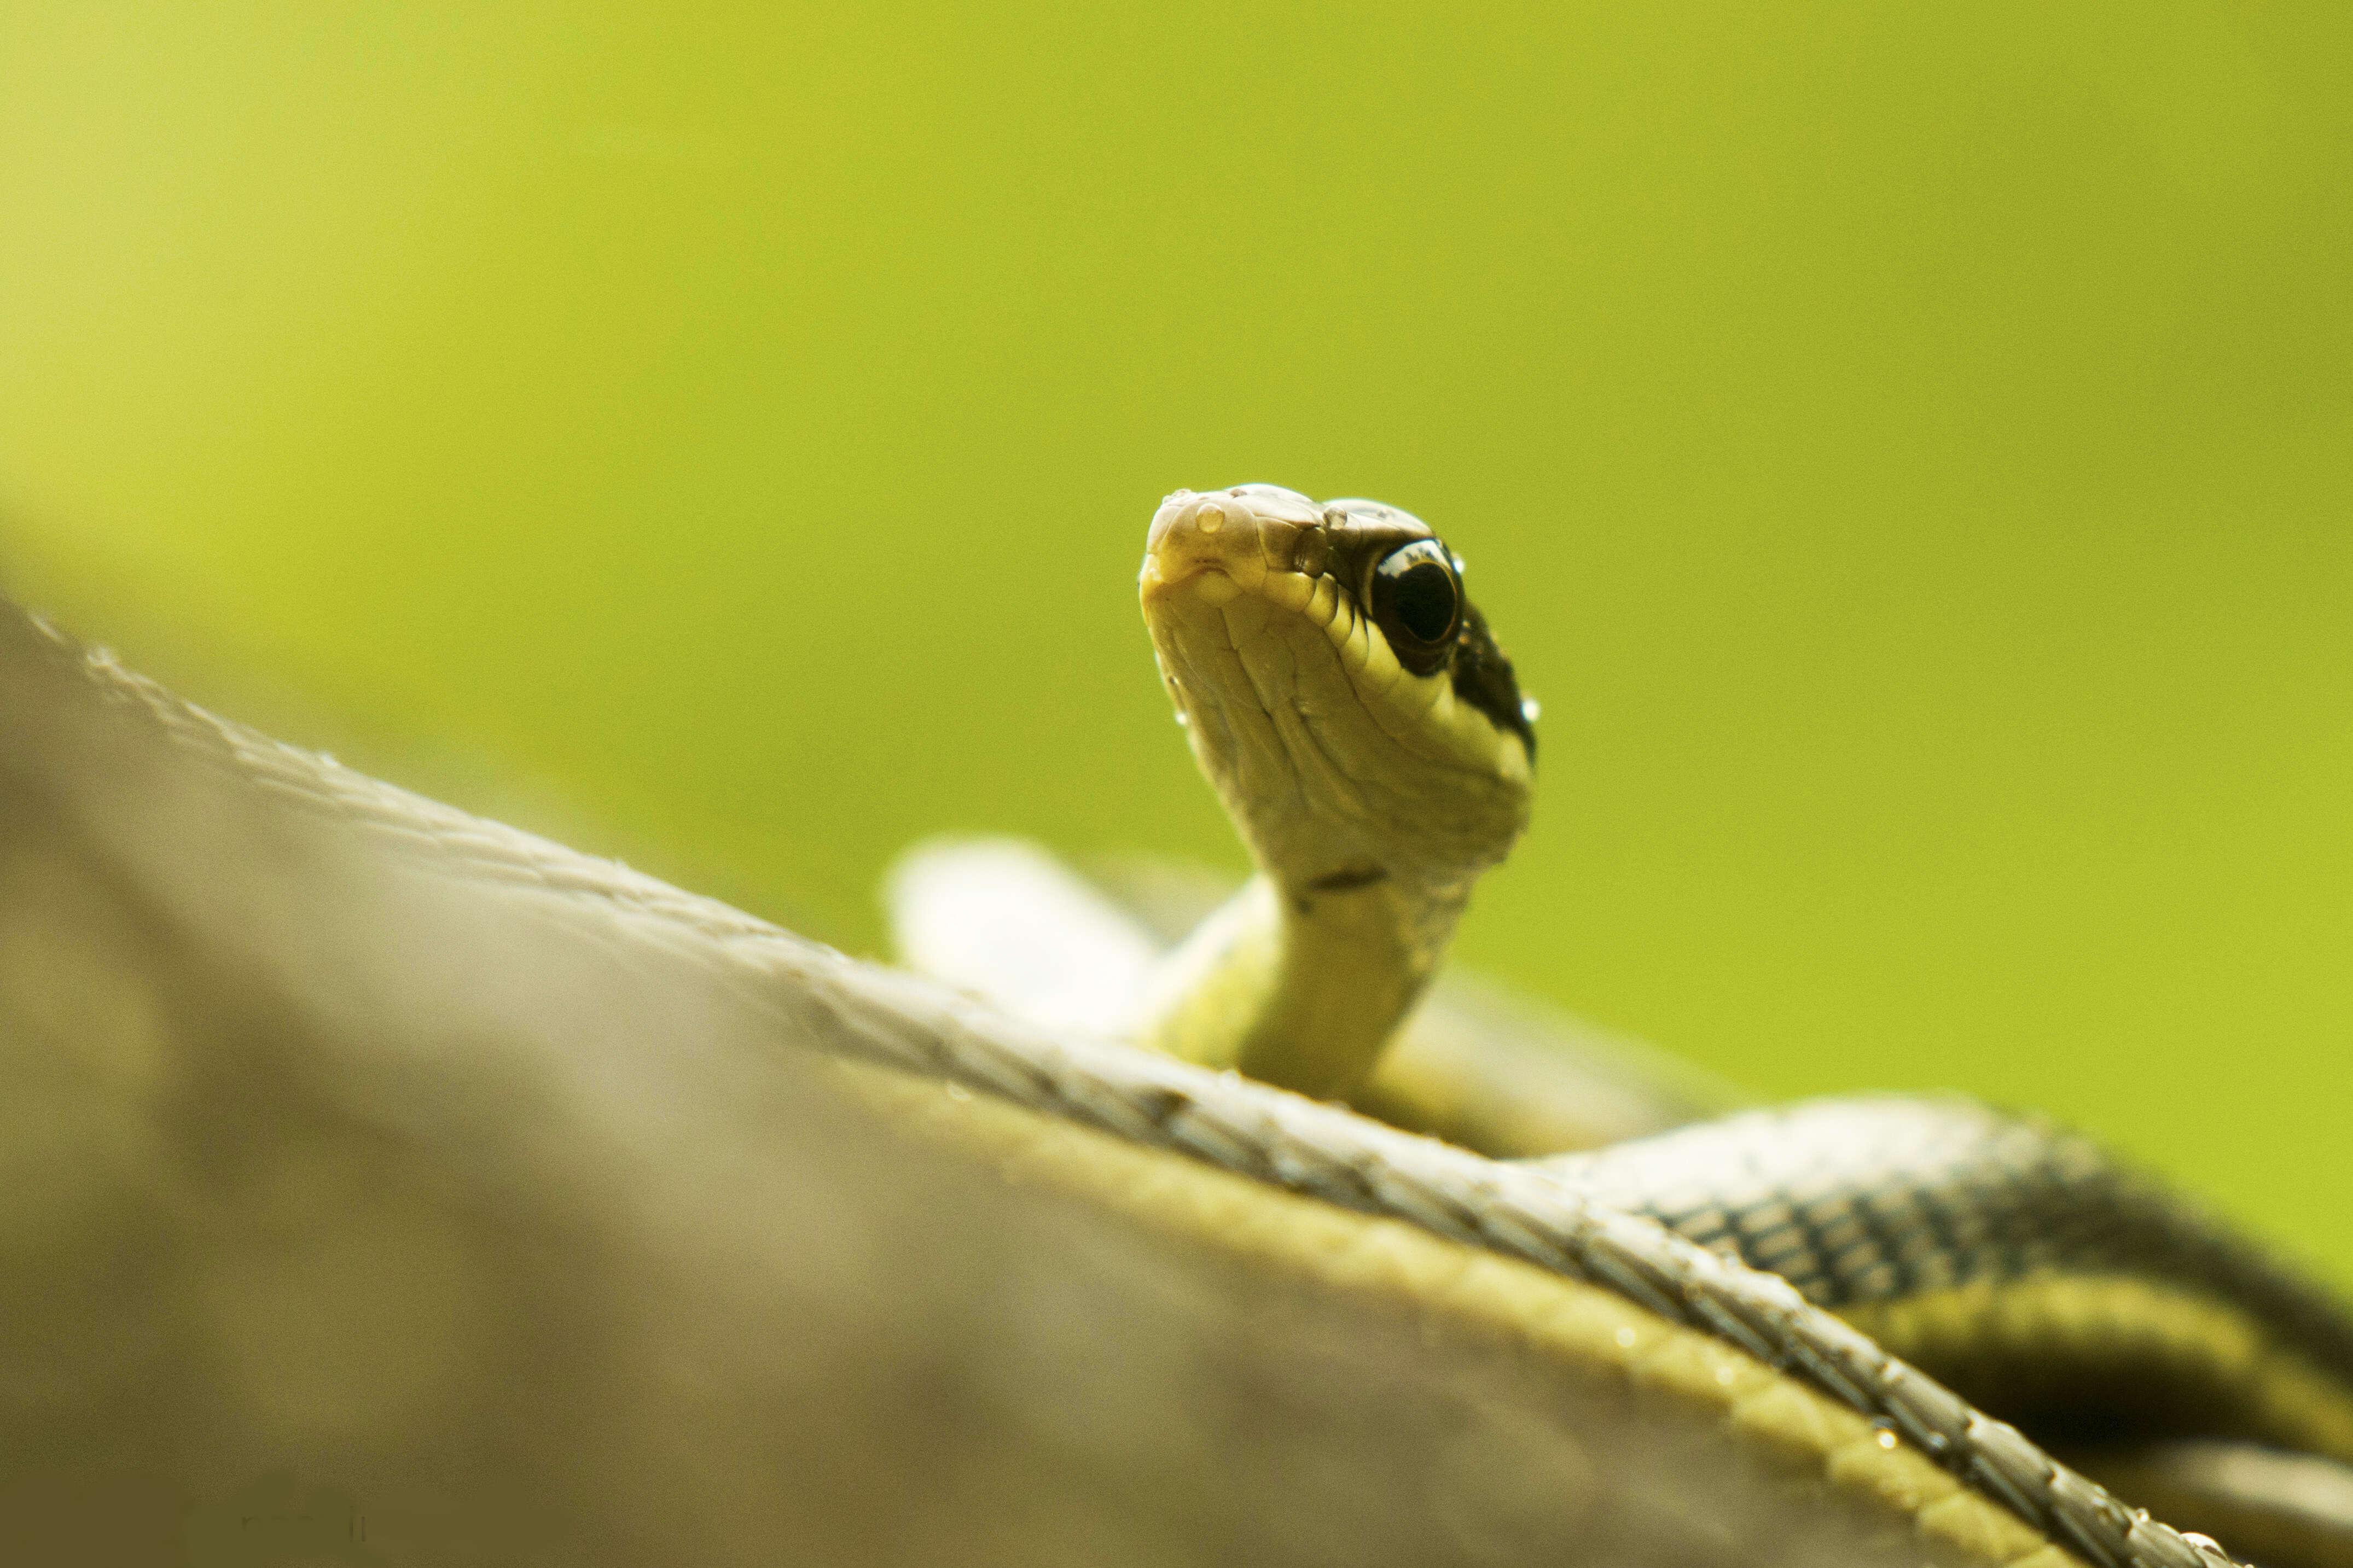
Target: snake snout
x,y
1241,534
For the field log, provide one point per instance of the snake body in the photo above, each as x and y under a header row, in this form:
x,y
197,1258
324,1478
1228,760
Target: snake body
x,y
2012,1257
1377,758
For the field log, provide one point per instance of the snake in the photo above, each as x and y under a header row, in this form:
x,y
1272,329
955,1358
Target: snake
x,y
1366,732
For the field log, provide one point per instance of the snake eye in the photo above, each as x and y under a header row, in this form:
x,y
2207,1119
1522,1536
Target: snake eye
x,y
1417,601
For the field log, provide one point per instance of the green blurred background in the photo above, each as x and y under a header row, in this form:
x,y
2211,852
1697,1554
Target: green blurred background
x,y
1909,452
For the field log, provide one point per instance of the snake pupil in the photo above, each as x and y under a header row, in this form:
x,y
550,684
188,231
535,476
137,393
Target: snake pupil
x,y
1425,602
1417,603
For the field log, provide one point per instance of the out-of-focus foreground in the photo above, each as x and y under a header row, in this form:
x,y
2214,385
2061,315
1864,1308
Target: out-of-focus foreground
x,y
385,1187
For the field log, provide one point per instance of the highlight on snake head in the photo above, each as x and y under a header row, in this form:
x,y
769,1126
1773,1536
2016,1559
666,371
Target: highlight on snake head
x,y
1367,736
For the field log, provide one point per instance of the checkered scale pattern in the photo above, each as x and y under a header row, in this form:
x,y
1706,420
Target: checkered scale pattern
x,y
1877,1199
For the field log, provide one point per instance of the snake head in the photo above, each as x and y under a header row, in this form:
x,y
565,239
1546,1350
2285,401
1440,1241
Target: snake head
x,y
1338,688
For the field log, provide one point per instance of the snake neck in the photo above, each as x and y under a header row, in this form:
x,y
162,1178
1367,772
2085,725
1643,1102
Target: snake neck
x,y
1300,987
